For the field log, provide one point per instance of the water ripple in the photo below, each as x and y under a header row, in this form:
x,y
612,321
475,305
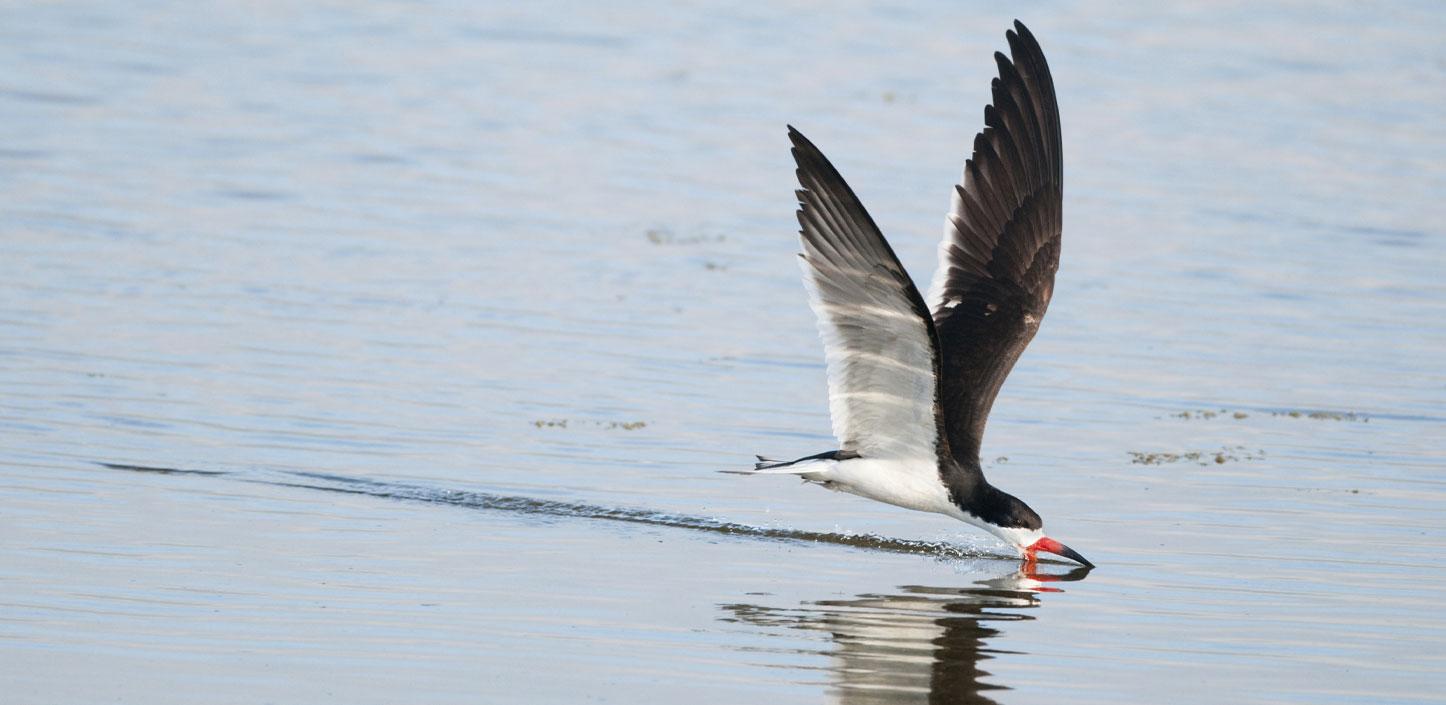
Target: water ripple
x,y
328,482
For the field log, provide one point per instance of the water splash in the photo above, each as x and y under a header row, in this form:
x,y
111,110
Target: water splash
x,y
327,482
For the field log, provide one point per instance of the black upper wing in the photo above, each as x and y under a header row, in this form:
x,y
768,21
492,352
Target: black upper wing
x,y
1001,244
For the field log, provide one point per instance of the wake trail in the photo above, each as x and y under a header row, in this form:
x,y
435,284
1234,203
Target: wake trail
x,y
326,482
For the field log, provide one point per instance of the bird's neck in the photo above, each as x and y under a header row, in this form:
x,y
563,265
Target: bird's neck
x,y
993,506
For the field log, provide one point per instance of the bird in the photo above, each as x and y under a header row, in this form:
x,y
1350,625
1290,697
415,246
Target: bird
x,y
911,378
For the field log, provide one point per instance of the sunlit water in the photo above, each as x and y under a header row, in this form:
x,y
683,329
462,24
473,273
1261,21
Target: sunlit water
x,y
458,307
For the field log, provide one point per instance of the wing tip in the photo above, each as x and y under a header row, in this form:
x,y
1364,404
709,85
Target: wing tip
x,y
805,156
1022,34
1019,32
799,140
1029,54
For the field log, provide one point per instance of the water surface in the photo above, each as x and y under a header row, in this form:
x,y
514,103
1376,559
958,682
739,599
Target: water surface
x,y
451,312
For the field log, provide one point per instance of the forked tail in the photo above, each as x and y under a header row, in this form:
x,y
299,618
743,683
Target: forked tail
x,y
809,467
771,463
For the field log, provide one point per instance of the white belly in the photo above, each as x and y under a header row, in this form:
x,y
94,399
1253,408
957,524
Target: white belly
x,y
911,483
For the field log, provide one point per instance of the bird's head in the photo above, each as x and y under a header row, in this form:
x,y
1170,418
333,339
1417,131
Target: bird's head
x,y
1009,518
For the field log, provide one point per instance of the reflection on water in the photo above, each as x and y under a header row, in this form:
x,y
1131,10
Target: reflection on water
x,y
922,644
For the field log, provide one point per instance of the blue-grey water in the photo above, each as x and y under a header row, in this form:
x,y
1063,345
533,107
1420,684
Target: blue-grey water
x,y
459,306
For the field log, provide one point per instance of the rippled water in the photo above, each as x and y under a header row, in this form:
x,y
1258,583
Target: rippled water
x,y
443,316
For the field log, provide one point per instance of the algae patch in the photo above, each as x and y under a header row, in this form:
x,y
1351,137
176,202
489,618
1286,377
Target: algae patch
x,y
1209,414
606,425
1324,415
1203,458
665,236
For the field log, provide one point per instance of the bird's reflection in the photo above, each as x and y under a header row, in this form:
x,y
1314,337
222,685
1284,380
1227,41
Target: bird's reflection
x,y
921,644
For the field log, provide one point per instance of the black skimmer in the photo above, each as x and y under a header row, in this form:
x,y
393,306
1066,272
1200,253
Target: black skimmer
x,y
911,379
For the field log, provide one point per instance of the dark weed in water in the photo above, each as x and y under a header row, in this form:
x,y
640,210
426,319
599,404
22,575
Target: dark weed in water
x,y
1324,415
608,425
1209,414
1199,457
664,236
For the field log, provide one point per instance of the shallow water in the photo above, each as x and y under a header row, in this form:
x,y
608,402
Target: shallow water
x,y
457,308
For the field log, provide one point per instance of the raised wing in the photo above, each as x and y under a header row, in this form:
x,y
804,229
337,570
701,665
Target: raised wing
x,y
1001,244
877,334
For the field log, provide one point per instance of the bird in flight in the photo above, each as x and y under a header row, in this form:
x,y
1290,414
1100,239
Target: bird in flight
x,y
911,378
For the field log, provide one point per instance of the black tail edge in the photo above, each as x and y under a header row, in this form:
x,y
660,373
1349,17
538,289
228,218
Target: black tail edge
x,y
769,463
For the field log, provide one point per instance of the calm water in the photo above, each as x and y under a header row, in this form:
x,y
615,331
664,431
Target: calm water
x,y
459,306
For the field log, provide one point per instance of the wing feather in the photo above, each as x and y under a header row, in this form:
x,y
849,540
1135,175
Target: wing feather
x,y
1001,244
878,336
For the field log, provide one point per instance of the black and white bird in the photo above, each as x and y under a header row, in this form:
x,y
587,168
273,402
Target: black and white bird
x,y
911,379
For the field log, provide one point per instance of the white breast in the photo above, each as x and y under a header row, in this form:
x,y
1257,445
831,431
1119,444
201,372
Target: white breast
x,y
911,483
